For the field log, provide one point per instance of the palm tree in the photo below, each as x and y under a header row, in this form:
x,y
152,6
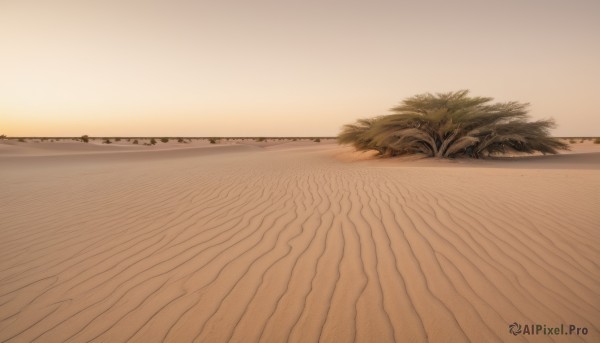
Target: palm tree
x,y
452,124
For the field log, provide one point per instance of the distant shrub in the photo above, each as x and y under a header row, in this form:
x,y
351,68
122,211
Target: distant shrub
x,y
2,136
572,141
180,140
118,139
135,142
597,141
85,138
152,141
212,140
21,140
164,140
317,140
295,139
106,141
261,139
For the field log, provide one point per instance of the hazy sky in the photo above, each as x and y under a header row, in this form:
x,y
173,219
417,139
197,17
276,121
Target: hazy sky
x,y
305,67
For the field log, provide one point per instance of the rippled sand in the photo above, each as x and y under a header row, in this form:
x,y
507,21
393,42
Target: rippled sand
x,y
296,242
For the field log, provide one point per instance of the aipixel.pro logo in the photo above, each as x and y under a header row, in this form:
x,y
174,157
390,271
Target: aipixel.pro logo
x,y
545,330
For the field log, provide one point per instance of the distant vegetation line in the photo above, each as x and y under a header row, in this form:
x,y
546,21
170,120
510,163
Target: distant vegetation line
x,y
153,140
169,137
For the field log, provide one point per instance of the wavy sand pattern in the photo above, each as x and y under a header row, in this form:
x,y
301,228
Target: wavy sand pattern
x,y
248,244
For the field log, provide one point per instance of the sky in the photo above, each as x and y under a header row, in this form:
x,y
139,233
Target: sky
x,y
285,68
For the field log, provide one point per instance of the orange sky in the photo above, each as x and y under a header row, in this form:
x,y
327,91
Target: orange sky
x,y
284,68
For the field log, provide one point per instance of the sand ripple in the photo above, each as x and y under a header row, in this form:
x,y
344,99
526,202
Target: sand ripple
x,y
275,246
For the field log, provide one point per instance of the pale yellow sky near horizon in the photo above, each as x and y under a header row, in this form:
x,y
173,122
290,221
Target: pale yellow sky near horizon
x,y
284,68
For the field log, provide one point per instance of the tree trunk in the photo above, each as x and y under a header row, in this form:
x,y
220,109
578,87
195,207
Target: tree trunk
x,y
446,143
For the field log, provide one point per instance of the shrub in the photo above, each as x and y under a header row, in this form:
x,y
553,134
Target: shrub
x,y
317,140
164,140
2,136
152,141
261,139
106,141
597,141
21,140
135,141
212,140
572,141
452,124
117,139
85,138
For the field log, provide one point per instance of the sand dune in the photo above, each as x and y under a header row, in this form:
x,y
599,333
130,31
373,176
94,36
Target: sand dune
x,y
288,243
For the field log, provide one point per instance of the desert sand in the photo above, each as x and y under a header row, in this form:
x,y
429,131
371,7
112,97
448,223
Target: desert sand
x,y
298,242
